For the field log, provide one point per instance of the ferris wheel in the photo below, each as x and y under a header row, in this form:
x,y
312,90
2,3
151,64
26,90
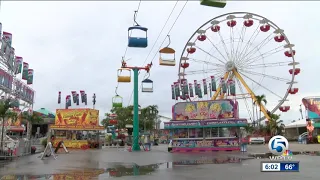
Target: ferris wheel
x,y
239,56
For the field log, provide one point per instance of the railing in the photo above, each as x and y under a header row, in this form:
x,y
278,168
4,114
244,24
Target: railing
x,y
12,149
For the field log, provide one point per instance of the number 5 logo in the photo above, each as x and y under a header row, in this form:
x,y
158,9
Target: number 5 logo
x,y
278,145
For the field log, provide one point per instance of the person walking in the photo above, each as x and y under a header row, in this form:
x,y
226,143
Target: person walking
x,y
147,143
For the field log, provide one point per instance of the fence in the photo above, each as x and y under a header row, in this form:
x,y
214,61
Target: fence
x,y
12,149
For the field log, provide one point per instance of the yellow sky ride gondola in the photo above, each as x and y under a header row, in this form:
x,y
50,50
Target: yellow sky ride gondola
x,y
124,75
167,55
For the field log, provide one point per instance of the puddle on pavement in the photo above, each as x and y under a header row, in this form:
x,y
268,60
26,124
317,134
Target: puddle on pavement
x,y
122,169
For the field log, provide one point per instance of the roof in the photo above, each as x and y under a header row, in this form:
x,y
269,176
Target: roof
x,y
296,124
46,112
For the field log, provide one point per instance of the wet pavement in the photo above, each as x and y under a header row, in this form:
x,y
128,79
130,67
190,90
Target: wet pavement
x,y
156,164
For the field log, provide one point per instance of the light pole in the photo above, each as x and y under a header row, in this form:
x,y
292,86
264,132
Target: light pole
x,y
301,111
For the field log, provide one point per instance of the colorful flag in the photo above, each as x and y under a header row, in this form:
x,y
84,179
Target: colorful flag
x,y
18,64
30,76
25,71
59,97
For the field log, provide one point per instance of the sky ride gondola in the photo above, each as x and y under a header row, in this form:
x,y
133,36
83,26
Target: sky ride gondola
x,y
117,101
167,55
147,85
214,3
124,78
135,41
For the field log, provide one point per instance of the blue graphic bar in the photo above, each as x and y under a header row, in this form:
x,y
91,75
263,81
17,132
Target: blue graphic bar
x,y
289,166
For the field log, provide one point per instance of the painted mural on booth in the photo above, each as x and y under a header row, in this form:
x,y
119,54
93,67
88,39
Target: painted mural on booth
x,y
201,110
312,106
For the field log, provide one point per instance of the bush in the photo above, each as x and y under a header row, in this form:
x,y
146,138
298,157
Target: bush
x,y
44,142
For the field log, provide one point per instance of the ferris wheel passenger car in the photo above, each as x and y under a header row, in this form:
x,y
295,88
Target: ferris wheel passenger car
x,y
138,42
214,3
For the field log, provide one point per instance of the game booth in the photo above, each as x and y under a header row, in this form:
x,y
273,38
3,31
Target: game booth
x,y
205,126
77,128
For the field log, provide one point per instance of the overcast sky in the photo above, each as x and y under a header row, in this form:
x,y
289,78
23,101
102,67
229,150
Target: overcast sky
x,y
78,46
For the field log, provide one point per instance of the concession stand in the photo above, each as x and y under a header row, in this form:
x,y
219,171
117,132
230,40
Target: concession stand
x,y
77,128
205,126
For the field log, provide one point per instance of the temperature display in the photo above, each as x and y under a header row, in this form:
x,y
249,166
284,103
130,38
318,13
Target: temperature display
x,y
290,166
280,166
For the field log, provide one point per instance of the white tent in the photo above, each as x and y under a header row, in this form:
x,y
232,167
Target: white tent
x,y
297,124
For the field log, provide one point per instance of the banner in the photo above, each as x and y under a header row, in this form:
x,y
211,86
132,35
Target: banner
x,y
205,87
206,143
77,118
25,71
312,106
2,77
10,60
204,110
8,38
172,92
77,99
223,86
213,83
191,89
74,96
18,64
82,93
30,76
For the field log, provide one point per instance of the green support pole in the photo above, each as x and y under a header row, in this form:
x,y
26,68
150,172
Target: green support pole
x,y
135,145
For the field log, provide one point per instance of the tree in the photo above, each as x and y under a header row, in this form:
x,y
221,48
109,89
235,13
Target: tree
x,y
275,125
259,102
5,114
124,116
31,119
249,129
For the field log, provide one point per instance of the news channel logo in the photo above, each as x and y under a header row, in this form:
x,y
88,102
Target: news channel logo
x,y
279,146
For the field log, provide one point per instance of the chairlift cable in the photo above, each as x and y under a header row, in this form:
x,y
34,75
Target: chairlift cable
x,y
162,41
136,15
125,52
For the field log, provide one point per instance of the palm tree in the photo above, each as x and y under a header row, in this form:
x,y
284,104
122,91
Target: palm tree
x,y
259,102
31,119
275,124
5,114
249,129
